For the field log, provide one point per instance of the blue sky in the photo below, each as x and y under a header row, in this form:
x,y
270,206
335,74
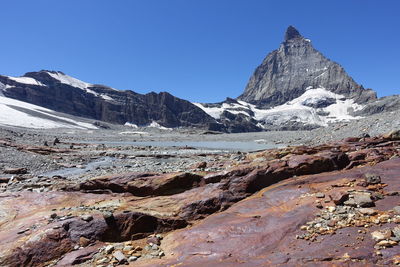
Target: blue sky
x,y
199,50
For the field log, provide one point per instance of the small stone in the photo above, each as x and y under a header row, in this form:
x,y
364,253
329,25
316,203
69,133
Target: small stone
x,y
331,208
396,210
103,260
396,231
53,215
372,178
360,200
137,248
87,218
202,165
109,249
132,258
384,218
83,241
119,256
127,248
319,195
367,211
159,237
339,197
332,223
161,253
381,234
386,243
154,247
153,240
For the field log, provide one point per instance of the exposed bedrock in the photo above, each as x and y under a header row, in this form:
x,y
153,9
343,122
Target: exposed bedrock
x,y
36,228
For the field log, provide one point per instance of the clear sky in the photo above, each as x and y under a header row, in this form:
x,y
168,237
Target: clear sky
x,y
199,50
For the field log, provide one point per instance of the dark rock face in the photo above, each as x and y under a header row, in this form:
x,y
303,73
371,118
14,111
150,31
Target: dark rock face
x,y
103,103
287,72
384,104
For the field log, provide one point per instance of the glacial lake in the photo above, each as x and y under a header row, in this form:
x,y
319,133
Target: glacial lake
x,y
213,145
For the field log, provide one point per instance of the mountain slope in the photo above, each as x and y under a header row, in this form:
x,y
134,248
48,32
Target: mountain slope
x,y
287,72
62,93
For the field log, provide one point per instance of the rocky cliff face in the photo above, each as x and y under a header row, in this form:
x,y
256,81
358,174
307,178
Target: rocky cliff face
x,y
287,72
60,92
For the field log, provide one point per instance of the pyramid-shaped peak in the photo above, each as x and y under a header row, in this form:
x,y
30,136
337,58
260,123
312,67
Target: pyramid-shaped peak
x,y
292,33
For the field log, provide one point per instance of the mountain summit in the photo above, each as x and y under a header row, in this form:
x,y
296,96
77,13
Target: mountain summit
x,y
286,73
292,33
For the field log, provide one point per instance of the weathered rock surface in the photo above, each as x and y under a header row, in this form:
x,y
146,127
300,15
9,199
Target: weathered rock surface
x,y
280,206
263,230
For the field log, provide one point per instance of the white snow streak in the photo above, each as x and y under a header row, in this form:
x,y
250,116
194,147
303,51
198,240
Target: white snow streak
x,y
13,117
26,80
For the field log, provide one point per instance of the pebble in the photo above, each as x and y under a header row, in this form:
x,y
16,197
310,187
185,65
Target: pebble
x,y
108,249
368,211
119,256
372,178
132,258
396,209
87,218
381,234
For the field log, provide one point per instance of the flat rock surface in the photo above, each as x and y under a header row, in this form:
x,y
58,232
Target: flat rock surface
x,y
261,230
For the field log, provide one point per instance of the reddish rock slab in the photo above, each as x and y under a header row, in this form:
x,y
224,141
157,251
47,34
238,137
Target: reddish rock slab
x,y
261,230
144,184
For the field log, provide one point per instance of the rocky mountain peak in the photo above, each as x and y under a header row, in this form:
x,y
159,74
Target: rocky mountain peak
x,y
292,33
286,73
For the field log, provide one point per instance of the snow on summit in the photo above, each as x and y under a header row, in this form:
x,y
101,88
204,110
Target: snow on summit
x,y
66,79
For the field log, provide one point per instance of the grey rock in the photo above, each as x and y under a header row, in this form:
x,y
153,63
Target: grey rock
x,y
360,200
372,178
396,232
119,256
87,218
287,72
132,258
396,209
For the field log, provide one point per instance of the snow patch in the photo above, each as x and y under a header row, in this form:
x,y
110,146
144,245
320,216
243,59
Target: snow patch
x,y
14,117
131,125
154,124
106,97
65,79
26,80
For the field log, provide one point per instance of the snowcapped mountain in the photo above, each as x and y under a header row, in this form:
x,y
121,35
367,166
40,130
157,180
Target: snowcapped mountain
x,y
57,91
295,87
